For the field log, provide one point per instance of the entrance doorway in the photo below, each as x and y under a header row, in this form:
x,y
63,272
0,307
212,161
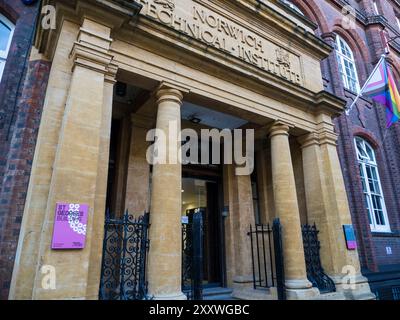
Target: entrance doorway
x,y
199,195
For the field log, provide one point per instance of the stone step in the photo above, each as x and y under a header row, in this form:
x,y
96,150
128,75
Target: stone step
x,y
219,297
332,296
217,293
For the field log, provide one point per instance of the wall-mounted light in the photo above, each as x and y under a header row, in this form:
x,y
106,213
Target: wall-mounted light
x,y
120,89
194,119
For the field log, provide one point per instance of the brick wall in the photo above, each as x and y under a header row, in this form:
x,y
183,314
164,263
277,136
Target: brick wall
x,y
367,120
22,90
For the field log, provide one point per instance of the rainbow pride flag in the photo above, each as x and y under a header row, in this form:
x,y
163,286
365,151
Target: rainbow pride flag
x,y
382,88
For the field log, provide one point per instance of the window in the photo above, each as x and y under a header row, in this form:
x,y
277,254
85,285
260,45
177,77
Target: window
x,y
398,22
372,189
347,65
376,7
6,33
293,6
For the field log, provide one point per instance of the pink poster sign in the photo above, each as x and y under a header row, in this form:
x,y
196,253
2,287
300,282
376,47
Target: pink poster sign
x,y
70,226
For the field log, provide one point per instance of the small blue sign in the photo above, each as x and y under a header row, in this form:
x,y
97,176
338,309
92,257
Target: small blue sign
x,y
350,237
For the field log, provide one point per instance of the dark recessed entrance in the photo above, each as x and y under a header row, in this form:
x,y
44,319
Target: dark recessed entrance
x,y
202,192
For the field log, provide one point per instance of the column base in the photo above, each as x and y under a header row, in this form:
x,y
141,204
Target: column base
x,y
255,294
359,288
169,296
301,290
242,285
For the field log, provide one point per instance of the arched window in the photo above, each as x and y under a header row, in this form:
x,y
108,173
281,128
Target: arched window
x,y
372,188
6,34
347,65
293,6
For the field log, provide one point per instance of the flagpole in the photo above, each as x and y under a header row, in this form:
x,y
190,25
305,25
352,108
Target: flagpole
x,y
383,56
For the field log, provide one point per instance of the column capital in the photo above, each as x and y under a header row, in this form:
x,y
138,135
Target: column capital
x,y
308,139
111,73
328,137
169,92
279,128
91,48
170,85
85,56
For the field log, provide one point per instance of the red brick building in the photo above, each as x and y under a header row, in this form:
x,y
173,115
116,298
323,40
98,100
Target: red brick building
x,y
366,148
356,34
22,88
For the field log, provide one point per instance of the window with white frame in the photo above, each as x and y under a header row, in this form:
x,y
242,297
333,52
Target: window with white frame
x,y
398,22
376,7
347,65
6,34
373,196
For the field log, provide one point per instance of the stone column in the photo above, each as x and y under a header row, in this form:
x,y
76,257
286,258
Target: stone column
x,y
327,206
76,165
138,178
265,193
286,206
165,265
242,218
27,256
101,186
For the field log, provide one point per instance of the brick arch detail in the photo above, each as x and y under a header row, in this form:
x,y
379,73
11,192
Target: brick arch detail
x,y
9,12
395,66
369,137
313,12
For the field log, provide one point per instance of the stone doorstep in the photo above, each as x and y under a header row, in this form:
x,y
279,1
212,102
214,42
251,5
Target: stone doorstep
x,y
332,296
255,294
217,293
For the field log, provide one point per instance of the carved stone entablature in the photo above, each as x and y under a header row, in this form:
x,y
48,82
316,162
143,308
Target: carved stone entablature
x,y
85,56
283,57
114,13
91,51
328,137
308,139
167,4
111,73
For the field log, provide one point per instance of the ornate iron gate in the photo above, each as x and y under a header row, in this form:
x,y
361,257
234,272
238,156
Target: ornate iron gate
x,y
123,271
315,272
267,257
192,257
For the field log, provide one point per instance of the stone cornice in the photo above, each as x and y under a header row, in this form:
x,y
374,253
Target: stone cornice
x,y
308,139
111,73
113,13
328,103
297,33
85,56
278,87
328,137
318,138
91,50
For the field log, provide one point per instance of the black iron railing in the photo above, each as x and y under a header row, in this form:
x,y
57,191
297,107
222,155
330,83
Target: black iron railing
x,y
267,257
192,257
315,273
125,246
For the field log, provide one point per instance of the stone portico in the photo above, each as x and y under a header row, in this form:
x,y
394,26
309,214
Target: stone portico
x,y
234,57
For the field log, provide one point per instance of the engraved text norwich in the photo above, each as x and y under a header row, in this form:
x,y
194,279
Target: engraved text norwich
x,y
224,35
